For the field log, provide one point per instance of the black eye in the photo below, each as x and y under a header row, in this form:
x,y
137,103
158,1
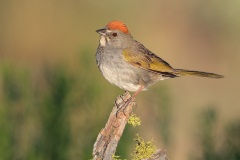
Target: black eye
x,y
114,34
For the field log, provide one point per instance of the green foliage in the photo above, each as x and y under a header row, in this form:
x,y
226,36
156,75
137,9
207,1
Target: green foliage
x,y
13,109
37,111
59,115
55,127
208,138
231,143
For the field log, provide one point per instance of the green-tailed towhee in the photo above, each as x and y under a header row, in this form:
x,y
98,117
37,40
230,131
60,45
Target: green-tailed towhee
x,y
127,64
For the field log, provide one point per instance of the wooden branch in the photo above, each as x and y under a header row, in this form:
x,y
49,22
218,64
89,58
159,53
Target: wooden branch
x,y
108,138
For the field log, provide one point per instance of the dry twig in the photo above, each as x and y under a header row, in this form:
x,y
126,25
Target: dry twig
x,y
108,138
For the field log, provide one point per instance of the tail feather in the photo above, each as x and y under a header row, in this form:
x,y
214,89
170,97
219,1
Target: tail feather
x,y
183,72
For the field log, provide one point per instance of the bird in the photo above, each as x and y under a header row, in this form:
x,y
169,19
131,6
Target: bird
x,y
128,64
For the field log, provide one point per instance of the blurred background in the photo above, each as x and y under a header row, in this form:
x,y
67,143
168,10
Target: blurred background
x,y
54,100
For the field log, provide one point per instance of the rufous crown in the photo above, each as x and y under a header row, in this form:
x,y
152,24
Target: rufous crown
x,y
118,25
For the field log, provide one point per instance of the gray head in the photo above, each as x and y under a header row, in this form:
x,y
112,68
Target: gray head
x,y
115,35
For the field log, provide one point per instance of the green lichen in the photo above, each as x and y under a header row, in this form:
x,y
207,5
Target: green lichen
x,y
134,120
143,149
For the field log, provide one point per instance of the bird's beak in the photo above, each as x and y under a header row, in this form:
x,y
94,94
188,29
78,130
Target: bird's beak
x,y
101,31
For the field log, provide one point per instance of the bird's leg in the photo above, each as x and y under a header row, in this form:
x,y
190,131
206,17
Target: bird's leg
x,y
129,100
132,97
137,92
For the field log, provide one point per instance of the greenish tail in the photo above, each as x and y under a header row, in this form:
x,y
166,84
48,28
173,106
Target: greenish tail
x,y
183,72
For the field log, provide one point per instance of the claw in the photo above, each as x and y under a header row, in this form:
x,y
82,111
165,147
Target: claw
x,y
123,106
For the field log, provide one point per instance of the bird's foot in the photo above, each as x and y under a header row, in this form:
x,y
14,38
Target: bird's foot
x,y
123,105
122,101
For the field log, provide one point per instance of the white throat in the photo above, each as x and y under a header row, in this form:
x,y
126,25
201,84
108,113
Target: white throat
x,y
102,41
